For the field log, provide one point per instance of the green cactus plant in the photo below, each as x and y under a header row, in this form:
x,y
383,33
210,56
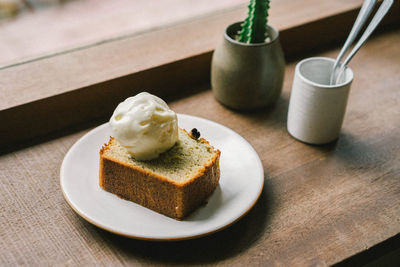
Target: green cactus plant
x,y
254,28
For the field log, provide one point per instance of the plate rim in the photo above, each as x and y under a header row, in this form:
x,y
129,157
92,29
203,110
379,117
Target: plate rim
x,y
166,239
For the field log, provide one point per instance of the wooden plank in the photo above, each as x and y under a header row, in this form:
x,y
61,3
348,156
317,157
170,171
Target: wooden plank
x,y
24,83
56,92
69,25
320,204
102,21
95,101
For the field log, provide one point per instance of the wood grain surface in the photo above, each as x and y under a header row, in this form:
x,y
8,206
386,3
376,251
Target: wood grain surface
x,y
320,204
75,25
71,25
85,84
68,71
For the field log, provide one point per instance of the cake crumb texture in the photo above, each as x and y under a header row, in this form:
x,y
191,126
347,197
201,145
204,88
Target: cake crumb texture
x,y
174,184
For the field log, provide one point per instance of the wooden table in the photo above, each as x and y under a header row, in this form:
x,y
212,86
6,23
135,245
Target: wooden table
x,y
320,204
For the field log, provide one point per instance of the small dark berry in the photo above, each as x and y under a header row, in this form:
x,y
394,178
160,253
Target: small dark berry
x,y
195,133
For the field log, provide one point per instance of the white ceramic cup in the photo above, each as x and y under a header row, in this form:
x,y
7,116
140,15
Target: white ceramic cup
x,y
316,109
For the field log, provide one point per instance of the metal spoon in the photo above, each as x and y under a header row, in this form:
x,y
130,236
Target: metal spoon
x,y
362,17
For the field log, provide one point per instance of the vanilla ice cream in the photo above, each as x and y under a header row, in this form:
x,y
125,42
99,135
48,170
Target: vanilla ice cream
x,y
145,126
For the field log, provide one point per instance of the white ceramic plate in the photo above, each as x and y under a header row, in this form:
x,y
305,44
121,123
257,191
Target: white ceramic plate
x,y
240,185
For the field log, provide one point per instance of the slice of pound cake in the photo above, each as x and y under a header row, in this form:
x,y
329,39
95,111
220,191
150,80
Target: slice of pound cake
x,y
175,183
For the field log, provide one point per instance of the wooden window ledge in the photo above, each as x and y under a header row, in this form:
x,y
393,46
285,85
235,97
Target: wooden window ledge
x,y
55,92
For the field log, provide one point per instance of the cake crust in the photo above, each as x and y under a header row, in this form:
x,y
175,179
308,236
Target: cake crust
x,y
161,194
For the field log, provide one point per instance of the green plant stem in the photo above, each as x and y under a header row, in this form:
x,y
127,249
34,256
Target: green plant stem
x,y
254,28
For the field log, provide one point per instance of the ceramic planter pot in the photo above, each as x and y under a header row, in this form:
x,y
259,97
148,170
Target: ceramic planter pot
x,y
247,76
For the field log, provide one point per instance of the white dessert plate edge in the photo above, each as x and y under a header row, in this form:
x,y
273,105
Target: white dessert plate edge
x,y
241,183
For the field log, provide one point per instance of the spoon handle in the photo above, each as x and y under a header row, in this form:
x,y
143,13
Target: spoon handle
x,y
383,9
362,17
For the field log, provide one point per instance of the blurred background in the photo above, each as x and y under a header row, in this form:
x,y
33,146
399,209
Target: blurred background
x,y
38,28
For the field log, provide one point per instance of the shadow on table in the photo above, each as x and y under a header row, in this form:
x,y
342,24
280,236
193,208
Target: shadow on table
x,y
274,115
374,153
386,253
221,245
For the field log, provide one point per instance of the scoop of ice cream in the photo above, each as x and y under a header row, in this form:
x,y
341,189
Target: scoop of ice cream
x,y
145,126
